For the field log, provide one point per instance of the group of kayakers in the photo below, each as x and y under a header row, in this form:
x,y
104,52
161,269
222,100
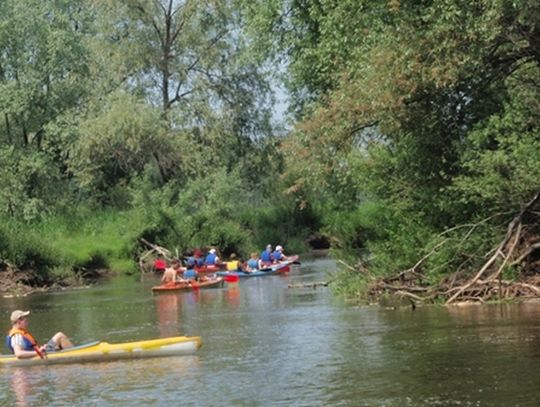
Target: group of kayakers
x,y
196,261
23,345
269,256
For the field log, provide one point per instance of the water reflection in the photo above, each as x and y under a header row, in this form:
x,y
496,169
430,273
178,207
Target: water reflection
x,y
126,383
313,348
20,386
232,295
168,309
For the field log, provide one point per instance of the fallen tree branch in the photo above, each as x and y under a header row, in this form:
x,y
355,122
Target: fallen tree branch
x,y
409,295
509,255
525,254
531,287
310,285
509,233
161,250
359,269
347,265
419,262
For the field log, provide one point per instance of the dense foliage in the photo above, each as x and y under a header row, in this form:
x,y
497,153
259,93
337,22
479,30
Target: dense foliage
x,y
418,127
124,120
414,129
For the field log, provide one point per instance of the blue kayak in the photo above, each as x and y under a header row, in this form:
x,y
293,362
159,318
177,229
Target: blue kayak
x,y
243,274
268,271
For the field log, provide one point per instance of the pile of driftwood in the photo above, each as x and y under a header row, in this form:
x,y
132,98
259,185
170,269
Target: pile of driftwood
x,y
153,251
519,247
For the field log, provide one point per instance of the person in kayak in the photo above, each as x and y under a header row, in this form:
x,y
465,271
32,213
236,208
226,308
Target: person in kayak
x,y
198,256
278,254
233,263
160,265
23,345
266,258
252,263
212,258
191,274
191,261
170,274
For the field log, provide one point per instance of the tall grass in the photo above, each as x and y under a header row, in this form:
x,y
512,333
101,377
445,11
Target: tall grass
x,y
63,245
92,239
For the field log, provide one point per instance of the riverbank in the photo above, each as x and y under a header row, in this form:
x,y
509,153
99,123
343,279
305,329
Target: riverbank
x,y
20,283
434,355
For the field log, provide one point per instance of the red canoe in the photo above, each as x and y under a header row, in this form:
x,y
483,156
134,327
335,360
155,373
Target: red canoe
x,y
189,285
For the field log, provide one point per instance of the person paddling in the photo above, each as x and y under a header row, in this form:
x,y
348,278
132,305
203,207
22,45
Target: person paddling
x,y
171,274
278,254
266,259
23,345
199,259
252,263
233,263
212,258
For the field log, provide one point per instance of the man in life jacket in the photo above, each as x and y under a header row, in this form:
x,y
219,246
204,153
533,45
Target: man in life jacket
x,y
199,259
23,344
278,254
266,259
212,258
253,262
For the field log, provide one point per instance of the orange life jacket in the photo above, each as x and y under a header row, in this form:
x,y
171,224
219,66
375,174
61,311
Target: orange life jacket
x,y
29,343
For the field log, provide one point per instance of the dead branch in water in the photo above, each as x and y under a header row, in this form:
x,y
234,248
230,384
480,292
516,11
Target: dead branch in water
x,y
310,285
155,250
516,248
513,230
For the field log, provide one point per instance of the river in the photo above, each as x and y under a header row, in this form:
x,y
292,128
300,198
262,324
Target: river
x,y
267,344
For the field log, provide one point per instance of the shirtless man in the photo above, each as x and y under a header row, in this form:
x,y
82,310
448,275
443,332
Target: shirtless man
x,y
171,274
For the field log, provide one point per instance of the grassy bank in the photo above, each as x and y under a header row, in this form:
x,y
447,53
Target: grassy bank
x,y
71,248
68,249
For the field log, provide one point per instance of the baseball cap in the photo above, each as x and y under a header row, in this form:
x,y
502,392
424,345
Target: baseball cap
x,y
16,315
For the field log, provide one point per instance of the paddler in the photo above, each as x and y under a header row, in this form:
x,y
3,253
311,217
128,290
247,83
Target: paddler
x,y
22,343
278,254
172,273
233,263
266,259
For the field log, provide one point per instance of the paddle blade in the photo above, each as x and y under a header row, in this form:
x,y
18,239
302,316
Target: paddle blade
x,y
232,278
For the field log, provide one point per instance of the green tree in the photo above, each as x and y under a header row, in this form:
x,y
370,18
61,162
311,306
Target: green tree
x,y
411,105
43,75
43,66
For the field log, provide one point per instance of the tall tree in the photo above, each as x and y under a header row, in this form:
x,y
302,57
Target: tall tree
x,y
44,73
43,65
189,59
186,54
404,92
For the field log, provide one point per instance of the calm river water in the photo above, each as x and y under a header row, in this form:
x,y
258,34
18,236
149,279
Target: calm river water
x,y
269,345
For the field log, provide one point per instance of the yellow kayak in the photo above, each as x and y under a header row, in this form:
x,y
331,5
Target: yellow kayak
x,y
103,351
